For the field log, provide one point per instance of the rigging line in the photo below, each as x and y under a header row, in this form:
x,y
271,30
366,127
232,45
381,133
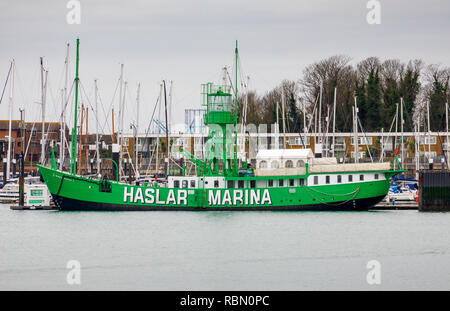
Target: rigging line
x,y
382,145
52,95
6,82
106,123
90,105
369,149
18,84
66,101
146,136
314,111
150,161
130,99
29,140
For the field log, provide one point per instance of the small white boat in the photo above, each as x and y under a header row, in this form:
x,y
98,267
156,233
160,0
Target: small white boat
x,y
403,190
35,192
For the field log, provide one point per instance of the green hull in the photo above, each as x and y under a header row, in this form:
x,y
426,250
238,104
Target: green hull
x,y
72,192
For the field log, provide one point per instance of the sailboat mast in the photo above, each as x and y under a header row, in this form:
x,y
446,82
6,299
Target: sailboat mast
x,y
73,163
11,92
137,132
448,138
429,133
334,121
167,130
320,107
80,155
158,128
283,112
401,129
356,132
63,108
119,127
97,149
86,141
43,87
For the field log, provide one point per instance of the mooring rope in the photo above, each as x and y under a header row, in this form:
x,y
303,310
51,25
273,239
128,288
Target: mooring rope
x,y
355,193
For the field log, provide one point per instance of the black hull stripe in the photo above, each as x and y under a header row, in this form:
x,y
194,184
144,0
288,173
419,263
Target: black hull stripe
x,y
78,205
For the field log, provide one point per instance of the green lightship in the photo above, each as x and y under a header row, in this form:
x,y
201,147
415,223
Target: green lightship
x,y
286,179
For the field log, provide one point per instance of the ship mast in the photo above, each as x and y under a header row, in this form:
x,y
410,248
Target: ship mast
x,y
235,167
63,108
73,157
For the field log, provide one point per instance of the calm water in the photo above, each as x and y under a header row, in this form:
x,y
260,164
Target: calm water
x,y
224,250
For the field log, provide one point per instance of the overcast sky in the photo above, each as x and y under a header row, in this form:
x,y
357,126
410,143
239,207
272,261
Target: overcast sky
x,y
190,41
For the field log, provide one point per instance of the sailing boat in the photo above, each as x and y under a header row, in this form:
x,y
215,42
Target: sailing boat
x,y
283,180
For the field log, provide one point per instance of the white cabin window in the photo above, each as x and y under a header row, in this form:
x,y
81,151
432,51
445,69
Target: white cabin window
x,y
263,164
300,163
316,180
274,164
289,164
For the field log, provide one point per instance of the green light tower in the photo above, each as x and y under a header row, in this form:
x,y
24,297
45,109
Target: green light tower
x,y
218,117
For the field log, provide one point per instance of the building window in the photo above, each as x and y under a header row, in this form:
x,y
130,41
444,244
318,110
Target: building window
x,y
184,183
230,184
361,177
270,183
240,184
281,183
327,179
300,163
192,183
274,164
176,184
339,179
263,164
350,178
252,183
301,182
289,164
291,182
376,176
316,180
216,184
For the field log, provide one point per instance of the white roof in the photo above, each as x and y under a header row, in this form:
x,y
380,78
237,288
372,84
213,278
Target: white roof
x,y
284,154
